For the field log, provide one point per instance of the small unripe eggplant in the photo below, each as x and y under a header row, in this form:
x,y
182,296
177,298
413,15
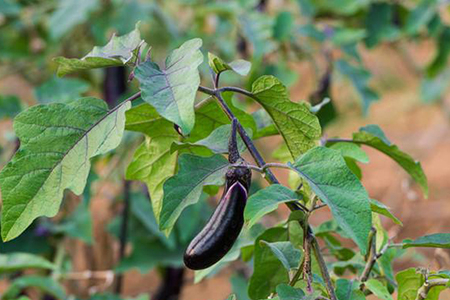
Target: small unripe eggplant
x,y
222,229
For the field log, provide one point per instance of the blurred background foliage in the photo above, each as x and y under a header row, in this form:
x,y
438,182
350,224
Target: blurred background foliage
x,y
314,47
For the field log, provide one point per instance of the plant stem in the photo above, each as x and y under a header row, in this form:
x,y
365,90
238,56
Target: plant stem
x,y
422,293
270,177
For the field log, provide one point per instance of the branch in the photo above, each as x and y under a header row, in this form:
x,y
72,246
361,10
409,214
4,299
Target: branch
x,y
422,293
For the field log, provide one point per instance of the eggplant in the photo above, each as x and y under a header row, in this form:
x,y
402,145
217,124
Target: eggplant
x,y
222,229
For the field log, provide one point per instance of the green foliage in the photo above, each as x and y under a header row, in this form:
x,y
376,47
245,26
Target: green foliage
x,y
267,200
20,261
374,137
240,66
10,106
60,90
45,284
330,179
298,126
186,186
119,51
286,253
438,240
57,142
171,91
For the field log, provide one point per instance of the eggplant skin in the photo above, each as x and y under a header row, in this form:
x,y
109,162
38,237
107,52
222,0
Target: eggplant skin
x,y
221,230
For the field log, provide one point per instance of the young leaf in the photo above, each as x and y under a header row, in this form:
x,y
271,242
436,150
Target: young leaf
x,y
382,209
172,90
374,137
20,261
287,292
268,270
327,174
286,253
378,289
409,282
153,163
265,201
118,51
45,284
240,66
437,240
185,188
298,126
57,142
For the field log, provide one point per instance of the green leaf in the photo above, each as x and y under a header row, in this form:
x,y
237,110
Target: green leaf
x,y
409,282
217,141
257,28
283,26
240,66
68,14
119,51
348,290
57,142
345,36
378,289
60,90
20,261
239,286
382,209
210,116
145,119
374,137
326,172
172,90
439,63
153,163
351,151
379,25
185,187
437,240
298,126
45,284
420,16
10,106
268,271
265,201
359,76
287,292
286,253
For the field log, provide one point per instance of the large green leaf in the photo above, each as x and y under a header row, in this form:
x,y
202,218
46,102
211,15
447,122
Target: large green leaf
x,y
20,261
153,163
327,174
373,136
267,200
268,271
118,51
172,90
145,119
60,89
45,284
57,142
298,126
287,292
437,240
185,187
